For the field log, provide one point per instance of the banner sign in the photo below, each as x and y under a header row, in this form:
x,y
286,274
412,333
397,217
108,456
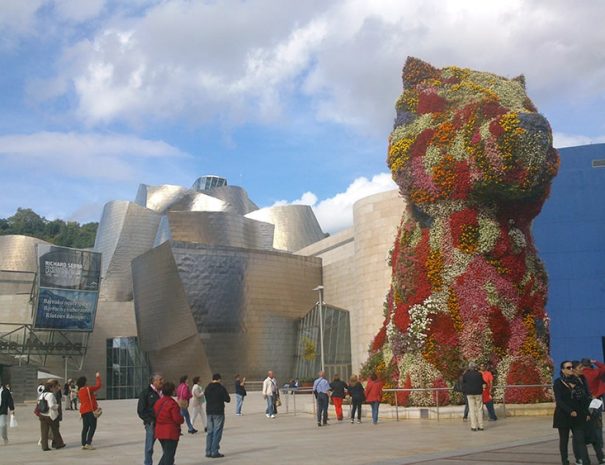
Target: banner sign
x,y
68,288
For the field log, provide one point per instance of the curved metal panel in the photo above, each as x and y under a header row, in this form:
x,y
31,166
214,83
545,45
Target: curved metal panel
x,y
295,226
126,230
234,196
159,198
217,228
18,253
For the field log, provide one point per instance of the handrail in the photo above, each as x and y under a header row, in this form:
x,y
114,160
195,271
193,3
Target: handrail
x,y
436,389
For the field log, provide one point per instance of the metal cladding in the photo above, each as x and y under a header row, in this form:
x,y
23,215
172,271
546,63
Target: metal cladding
x,y
234,196
242,304
18,253
295,225
125,231
215,228
167,197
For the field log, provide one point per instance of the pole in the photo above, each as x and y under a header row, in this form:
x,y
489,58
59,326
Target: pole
x,y
321,326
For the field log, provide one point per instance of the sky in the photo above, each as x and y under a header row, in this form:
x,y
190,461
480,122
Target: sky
x,y
291,100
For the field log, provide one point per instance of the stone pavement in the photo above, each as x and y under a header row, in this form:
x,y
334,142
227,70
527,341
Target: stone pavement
x,y
255,439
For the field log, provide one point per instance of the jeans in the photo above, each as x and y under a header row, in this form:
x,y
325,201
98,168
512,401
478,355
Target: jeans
x,y
270,407
375,405
168,451
579,446
239,400
89,425
491,412
185,413
149,441
215,433
356,405
322,407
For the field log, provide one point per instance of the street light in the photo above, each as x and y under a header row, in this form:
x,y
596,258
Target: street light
x,y
320,289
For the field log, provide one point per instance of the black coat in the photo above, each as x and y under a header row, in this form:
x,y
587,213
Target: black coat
x,y
472,383
216,396
338,388
147,399
357,392
567,403
7,402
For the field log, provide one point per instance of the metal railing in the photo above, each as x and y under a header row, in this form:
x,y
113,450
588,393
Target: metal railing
x,y
435,392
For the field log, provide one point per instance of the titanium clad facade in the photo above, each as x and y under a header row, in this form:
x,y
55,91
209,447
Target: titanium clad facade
x,y
243,305
236,197
295,226
216,228
18,253
125,231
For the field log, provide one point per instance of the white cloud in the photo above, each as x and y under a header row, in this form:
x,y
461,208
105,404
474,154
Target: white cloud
x,y
336,213
78,10
246,61
561,140
108,156
17,19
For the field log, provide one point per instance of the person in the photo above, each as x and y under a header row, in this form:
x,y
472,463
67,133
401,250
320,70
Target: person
x,y
147,399
168,421
240,393
373,395
197,401
183,394
338,388
571,412
47,418
594,373
270,394
73,396
488,400
6,405
88,404
356,391
321,390
216,396
56,389
592,424
66,394
472,386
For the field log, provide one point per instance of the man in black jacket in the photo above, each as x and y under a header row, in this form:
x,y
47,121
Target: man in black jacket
x,y
216,395
147,399
472,386
6,405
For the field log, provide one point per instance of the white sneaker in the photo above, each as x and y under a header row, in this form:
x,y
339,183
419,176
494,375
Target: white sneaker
x,y
267,415
272,416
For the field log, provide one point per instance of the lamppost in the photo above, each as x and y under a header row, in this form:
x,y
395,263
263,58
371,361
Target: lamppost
x,y
320,289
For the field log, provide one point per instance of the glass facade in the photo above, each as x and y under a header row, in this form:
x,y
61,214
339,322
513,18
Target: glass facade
x,y
127,368
337,344
205,183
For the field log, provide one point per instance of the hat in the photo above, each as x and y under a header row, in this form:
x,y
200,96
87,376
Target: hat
x,y
216,376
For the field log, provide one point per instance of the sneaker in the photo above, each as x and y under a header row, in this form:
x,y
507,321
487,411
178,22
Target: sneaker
x,y
480,429
217,455
473,429
239,414
579,462
84,447
352,421
89,447
359,421
319,423
267,415
272,416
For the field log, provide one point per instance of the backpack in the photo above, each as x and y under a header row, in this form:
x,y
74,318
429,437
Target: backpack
x,y
43,405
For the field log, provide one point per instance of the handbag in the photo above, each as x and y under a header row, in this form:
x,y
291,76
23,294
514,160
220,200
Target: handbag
x,y
98,411
278,402
183,403
13,422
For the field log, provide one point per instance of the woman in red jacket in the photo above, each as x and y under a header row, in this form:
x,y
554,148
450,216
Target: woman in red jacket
x,y
168,421
88,404
374,395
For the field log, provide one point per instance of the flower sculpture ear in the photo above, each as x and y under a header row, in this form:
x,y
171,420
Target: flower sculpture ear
x,y
520,79
416,71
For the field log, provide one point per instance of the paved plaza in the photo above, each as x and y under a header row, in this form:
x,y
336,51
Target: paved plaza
x,y
296,439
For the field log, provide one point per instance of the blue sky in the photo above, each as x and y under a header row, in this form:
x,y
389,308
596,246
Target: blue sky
x,y
291,100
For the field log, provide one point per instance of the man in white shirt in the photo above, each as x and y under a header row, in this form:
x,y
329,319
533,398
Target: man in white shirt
x,y
270,394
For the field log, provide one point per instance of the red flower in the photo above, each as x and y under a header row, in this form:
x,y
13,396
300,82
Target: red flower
x,y
430,102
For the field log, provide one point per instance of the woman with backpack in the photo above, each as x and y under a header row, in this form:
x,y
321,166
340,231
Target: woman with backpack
x,y
89,409
48,414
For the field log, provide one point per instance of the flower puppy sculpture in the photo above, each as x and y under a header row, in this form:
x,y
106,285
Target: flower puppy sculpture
x,y
474,161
